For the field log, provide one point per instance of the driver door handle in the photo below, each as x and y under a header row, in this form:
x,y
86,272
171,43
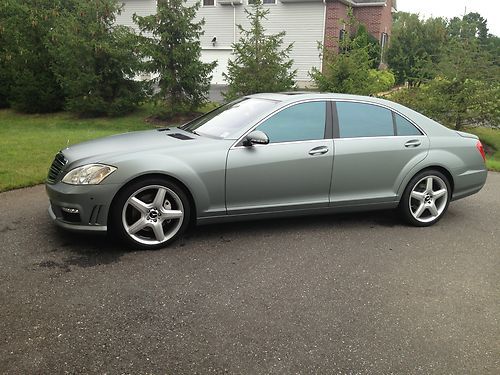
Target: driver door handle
x,y
413,143
318,150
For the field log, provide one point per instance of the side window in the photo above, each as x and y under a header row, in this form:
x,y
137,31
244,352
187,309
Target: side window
x,y
363,120
301,122
405,127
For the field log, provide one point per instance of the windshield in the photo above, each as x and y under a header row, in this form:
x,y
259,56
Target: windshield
x,y
229,118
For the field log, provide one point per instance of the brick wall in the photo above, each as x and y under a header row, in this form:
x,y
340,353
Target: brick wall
x,y
335,13
378,19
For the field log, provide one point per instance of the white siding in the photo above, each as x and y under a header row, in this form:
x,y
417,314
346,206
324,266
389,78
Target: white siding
x,y
302,22
141,7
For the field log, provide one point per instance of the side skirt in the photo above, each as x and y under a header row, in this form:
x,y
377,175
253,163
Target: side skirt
x,y
295,213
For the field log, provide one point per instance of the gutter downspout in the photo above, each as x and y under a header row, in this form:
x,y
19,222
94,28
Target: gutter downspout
x,y
323,39
234,23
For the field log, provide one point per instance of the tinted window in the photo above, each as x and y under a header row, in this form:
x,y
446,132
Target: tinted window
x,y
300,122
405,127
230,118
363,120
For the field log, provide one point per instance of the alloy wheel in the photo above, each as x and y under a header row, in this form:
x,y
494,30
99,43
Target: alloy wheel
x,y
428,199
153,214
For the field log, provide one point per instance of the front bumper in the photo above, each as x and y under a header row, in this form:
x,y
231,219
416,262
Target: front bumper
x,y
80,208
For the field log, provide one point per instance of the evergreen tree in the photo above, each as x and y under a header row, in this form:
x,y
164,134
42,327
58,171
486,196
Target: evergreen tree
x,y
416,47
260,64
467,89
30,85
171,50
95,61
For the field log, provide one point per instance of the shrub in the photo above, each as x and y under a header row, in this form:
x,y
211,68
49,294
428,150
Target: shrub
x,y
382,80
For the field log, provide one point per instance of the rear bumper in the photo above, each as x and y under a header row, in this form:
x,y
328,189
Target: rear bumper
x,y
468,183
80,208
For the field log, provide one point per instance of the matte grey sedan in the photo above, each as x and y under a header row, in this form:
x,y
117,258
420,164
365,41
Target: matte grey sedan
x,y
265,155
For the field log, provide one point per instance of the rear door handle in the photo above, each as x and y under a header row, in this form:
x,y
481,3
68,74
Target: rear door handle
x,y
413,143
318,150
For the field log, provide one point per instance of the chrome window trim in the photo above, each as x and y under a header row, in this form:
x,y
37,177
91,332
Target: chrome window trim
x,y
379,137
287,143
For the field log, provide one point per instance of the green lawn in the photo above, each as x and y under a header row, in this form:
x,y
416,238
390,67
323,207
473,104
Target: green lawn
x,y
28,143
490,137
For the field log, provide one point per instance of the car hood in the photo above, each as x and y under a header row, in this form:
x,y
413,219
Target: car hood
x,y
167,140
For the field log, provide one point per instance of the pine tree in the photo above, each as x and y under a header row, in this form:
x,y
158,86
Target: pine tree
x,y
171,51
95,60
260,64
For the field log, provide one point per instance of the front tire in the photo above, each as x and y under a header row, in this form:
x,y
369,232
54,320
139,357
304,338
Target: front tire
x,y
150,213
426,198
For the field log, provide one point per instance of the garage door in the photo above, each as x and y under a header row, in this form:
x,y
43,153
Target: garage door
x,y
221,56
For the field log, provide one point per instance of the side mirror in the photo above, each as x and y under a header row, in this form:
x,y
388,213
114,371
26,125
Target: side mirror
x,y
256,137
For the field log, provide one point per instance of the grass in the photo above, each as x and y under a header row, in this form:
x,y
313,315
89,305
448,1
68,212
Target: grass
x,y
490,137
28,143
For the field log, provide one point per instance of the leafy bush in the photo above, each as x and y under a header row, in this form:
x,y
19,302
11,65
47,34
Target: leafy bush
x,y
35,91
382,80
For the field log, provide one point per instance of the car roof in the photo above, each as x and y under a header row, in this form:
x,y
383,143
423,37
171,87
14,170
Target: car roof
x,y
295,96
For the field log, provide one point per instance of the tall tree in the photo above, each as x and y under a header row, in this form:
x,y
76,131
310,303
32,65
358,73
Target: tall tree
x,y
416,47
261,63
468,84
24,27
470,26
94,60
171,49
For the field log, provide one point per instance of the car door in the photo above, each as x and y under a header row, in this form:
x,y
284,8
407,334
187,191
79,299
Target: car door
x,y
292,171
374,149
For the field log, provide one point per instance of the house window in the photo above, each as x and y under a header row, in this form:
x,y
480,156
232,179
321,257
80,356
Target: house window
x,y
208,3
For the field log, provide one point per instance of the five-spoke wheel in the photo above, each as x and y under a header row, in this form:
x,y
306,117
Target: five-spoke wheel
x,y
151,213
426,198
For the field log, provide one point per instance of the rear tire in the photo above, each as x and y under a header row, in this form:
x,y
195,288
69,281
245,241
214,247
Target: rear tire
x,y
150,213
426,198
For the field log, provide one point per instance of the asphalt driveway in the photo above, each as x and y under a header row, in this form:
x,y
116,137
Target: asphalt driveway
x,y
350,294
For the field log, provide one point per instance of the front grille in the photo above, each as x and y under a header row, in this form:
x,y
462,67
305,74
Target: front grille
x,y
56,168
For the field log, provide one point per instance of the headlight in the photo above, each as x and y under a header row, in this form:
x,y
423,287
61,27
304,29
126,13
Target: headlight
x,y
90,174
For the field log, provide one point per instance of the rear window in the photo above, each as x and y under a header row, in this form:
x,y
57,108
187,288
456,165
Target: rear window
x,y
405,127
229,119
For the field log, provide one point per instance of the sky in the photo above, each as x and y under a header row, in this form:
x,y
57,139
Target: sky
x,y
489,9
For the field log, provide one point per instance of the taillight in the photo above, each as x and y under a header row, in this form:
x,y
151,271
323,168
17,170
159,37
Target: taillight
x,y
480,148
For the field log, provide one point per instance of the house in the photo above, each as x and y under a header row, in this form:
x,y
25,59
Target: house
x,y
306,22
